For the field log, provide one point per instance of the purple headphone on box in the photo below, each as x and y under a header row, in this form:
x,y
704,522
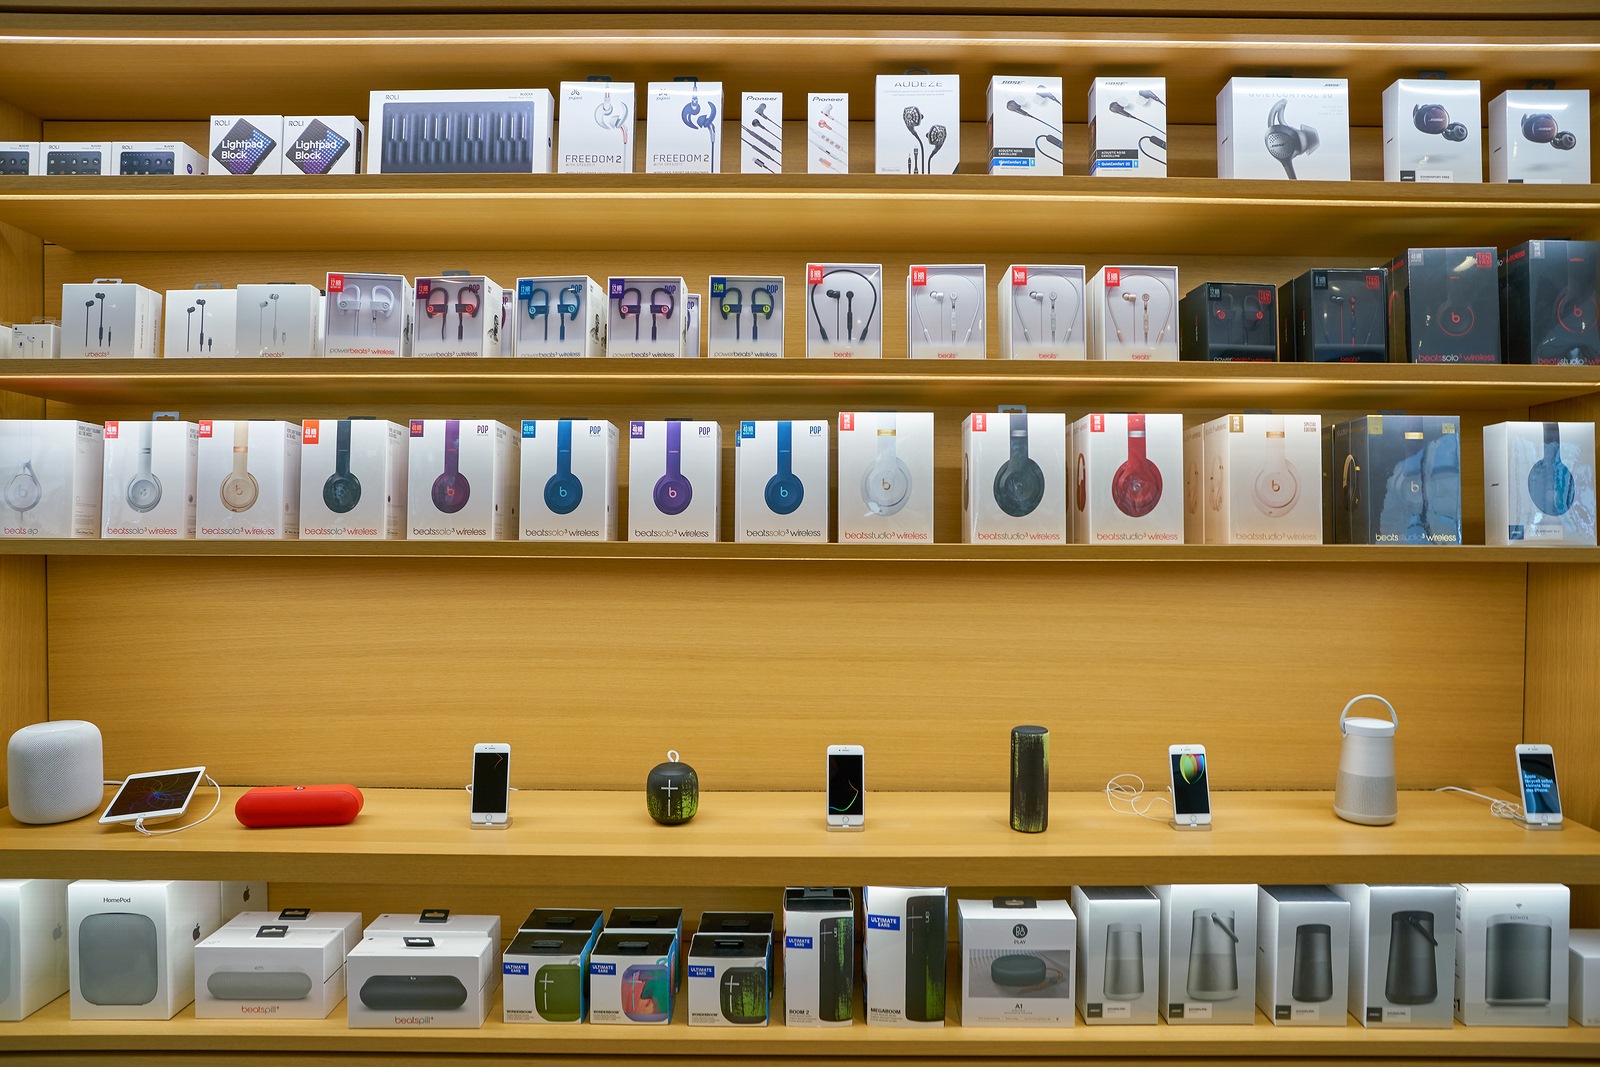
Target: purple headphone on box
x,y
450,489
673,491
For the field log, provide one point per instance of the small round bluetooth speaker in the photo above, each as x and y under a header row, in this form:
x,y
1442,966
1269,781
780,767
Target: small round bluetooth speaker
x,y
672,792
1030,779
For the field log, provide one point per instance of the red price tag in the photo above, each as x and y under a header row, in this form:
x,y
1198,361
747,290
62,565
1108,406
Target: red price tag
x,y
1019,275
309,431
847,421
336,283
1113,277
814,273
205,428
111,431
919,277
980,422
1097,424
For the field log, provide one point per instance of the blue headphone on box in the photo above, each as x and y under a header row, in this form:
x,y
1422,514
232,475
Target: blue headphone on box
x,y
563,492
696,121
785,491
1550,482
1019,483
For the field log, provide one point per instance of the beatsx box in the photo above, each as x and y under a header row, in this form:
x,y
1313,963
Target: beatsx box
x,y
275,965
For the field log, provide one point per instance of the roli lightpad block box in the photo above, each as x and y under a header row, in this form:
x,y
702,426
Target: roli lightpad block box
x,y
918,123
1335,315
1016,962
1014,466
201,322
780,476
819,956
545,975
323,144
1229,322
569,480
462,481
367,315
1538,483
1549,315
1445,305
34,969
156,157
353,479
1208,951
278,321
1396,479
1511,954
422,980
597,121
246,144
109,319
1402,954
273,970
1119,954
567,920
1303,955
149,484
460,131
683,130
247,479
907,930
729,984
131,945
1432,131
632,975
51,478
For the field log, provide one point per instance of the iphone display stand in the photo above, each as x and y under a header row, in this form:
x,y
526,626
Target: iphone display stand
x,y
1526,825
490,826
1190,827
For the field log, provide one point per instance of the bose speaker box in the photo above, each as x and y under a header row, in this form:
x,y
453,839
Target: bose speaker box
x,y
1402,954
263,965
1511,954
55,771
421,980
780,477
1208,953
1014,478
1119,958
33,945
462,478
569,480
132,944
1303,962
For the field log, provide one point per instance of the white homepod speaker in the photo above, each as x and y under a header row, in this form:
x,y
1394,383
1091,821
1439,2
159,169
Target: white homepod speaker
x,y
55,771
1365,791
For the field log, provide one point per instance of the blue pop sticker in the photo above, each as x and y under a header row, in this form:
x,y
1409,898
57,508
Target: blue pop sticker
x,y
700,970
797,942
883,922
602,968
514,968
529,427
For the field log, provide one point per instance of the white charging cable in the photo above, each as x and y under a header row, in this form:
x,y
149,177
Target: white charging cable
x,y
1500,809
1129,789
139,823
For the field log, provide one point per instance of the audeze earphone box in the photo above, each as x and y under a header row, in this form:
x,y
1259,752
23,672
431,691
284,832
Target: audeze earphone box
x,y
367,315
1016,962
1025,126
1402,954
247,480
278,321
20,158
828,133
1511,954
457,315
1260,481
1277,128
1335,315
201,322
323,144
271,970
683,130
819,956
155,157
1127,479
1396,479
944,311
76,157
577,303
845,305
33,913
918,123
1229,321
353,480
1540,135
462,481
596,132
905,955
1445,306
1133,313
666,309
131,945
52,471
1538,483
245,144
460,131
1014,478
421,980
1303,955
545,975
149,484
1432,131
1208,953
35,340
109,318
569,480
1119,954
780,478
1042,313
746,317
1548,315
761,133
885,476
1128,127
674,481
633,976
729,983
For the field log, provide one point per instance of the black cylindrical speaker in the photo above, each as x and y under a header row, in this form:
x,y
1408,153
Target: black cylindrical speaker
x,y
1313,964
1030,779
1413,966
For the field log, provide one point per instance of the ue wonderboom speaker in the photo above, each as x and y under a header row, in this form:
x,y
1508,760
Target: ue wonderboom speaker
x,y
56,771
1365,790
299,805
744,996
1030,779
413,992
1413,967
1516,962
259,985
118,958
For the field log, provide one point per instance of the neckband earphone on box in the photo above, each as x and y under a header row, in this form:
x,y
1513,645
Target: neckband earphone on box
x,y
1137,305
1046,291
941,291
845,292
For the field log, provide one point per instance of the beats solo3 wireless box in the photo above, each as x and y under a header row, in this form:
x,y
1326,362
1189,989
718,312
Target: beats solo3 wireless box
x,y
728,981
1208,951
149,485
421,980
1432,131
1126,476
1548,292
905,960
462,479
109,319
264,966
201,322
353,480
247,480
1284,128
1016,962
819,956
1402,954
1014,478
1254,479
1041,312
885,481
1538,483
33,945
1395,479
1303,955
51,478
132,945
1119,954
1511,954
780,478
1540,135
674,481
1445,306
569,480
545,974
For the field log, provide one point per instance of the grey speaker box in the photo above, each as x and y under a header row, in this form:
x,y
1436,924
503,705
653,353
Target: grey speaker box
x,y
1124,978
1517,962
413,992
1412,975
55,771
259,985
118,958
9,960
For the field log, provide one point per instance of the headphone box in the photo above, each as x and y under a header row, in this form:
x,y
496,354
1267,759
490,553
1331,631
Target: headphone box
x,y
691,326
674,481
1540,135
544,920
1016,962
578,307
268,968
733,299
1277,128
459,131
596,132
1014,478
1208,954
761,133
245,144
633,976
729,982
856,293
52,470
338,458
1432,131
916,115
828,133
683,134
569,480
421,980
1025,126
278,321
1133,313
116,319
20,158
1229,322
1254,479
131,945
367,315
959,289
248,479
197,319
473,303
156,157
819,956
1402,954
1302,955
62,158
1583,977
780,478
461,481
666,309
545,975
905,955
323,144
1511,954
1044,304
1445,305
1549,314
33,945
1126,479
885,477
1396,479
149,484
1335,315
1538,483
1119,954
1128,127
35,340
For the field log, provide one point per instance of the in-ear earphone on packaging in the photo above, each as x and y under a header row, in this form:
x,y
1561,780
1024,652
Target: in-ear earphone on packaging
x,y
1435,119
844,286
1542,128
947,305
1287,143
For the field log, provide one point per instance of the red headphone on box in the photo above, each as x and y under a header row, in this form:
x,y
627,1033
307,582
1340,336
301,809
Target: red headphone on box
x,y
1136,487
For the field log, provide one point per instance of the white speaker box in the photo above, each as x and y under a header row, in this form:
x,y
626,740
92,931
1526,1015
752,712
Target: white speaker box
x,y
132,945
55,771
277,969
33,945
421,980
237,897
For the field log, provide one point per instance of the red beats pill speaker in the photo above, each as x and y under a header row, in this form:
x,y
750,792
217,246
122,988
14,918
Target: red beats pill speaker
x,y
299,805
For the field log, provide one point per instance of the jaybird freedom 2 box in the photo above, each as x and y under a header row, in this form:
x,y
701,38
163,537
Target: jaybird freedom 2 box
x,y
51,471
241,145
1303,957
761,133
674,481
323,144
1016,962
1042,313
666,309
1511,954
1539,483
1128,127
155,157
367,315
247,479
1014,471
1127,479
728,982
746,317
1540,135
545,976
1396,479
907,934
149,484
576,303
1432,131
109,319
1119,954
1402,954
845,305
472,303
278,321
201,322
462,481
33,912
1549,312
683,131
1445,305
1260,480
596,132
885,476
1208,950
780,477
1277,128
569,480
944,311
131,945
1133,313
460,131
819,956
353,479
918,124
1229,321
1025,126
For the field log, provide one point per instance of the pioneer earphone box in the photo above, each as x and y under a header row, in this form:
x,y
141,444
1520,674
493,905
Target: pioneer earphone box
x,y
559,316
367,315
918,123
1540,135
844,302
1303,966
1445,305
1254,479
1335,315
828,133
149,485
569,480
1547,289
885,479
674,481
1128,127
728,979
1432,131
1208,953
421,980
1396,479
545,975
247,480
109,318
76,157
52,471
323,144
944,311
1133,313
1025,126
1041,312
780,478
33,927
661,301
35,340
245,144
746,317
1284,128
905,955
353,480
1014,478
457,315
1126,475
819,956
20,158
459,131
1402,954
1511,954
1230,322
761,133
278,320
155,157
201,322
596,132
462,481
131,945
1017,962
1119,954
1538,483
683,131
270,969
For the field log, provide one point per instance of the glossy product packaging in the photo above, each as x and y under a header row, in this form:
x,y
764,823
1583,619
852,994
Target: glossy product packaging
x,y
1540,136
459,131
34,340
761,133
1432,131
34,968
149,484
353,479
545,974
596,130
1025,126
1511,954
1539,483
663,301
683,131
51,477
819,956
62,158
945,311
1284,128
1126,475
462,481
1445,306
885,478
564,920
576,303
1229,322
905,960
109,319
458,315
1334,315
828,133
155,157
1583,977
323,144
745,318
1014,478
1396,480
365,315
728,983
1016,962
1548,293
20,159
674,481
1208,951
1303,962
201,322
1119,954
569,480
1133,313
844,306
425,979
131,945
247,479
780,476
1128,127
1041,313
263,965
1402,954
918,124
278,321
240,145
1253,479
632,977
669,920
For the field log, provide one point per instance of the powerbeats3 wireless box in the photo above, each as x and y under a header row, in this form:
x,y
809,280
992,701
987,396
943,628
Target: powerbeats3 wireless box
x,y
1014,478
1511,954
1432,131
1402,954
1445,306
1126,475
1119,954
1538,483
1549,314
545,975
569,480
1208,953
729,983
1025,126
683,131
247,480
661,301
52,472
1042,314
267,965
596,134
149,484
462,481
323,144
674,481
1396,479
1303,962
33,924
367,315
761,133
246,144
201,322
944,311
1335,315
1540,135
844,306
353,480
422,980
1016,962
780,477
1254,479
1284,128
109,318
819,956
885,477
905,955
918,124
576,303
278,321
457,315
1128,127
460,131
1229,322
1133,313
131,945
745,318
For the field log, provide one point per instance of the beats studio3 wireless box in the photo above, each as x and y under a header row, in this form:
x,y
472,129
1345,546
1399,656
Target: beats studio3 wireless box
x,y
905,955
278,321
323,144
1126,476
819,956
1432,131
1042,314
1303,955
885,480
761,133
674,481
633,977
1229,322
844,310
202,321
52,473
683,130
62,158
918,123
1133,313
545,975
1025,126
1208,954
1014,478
1396,479
247,481
353,480
569,480
729,983
462,481
245,144
1016,962
1284,128
1119,954
596,132
745,319
1402,954
1128,127
1335,315
421,980
109,319
149,484
667,309
1445,306
367,315
1540,135
264,966
1254,479
132,945
1539,483
35,340
780,479
33,945
576,302
1511,954
457,315
1583,977
1548,310
155,157
459,131
944,311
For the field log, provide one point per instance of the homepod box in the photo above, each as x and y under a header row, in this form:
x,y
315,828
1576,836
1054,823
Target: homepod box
x,y
33,945
421,980
55,771
131,945
275,968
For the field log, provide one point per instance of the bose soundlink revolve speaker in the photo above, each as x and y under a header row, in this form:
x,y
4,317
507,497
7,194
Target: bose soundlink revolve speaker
x,y
1516,963
1124,961
1413,967
118,958
56,771
1365,791
1313,963
1213,956
259,985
